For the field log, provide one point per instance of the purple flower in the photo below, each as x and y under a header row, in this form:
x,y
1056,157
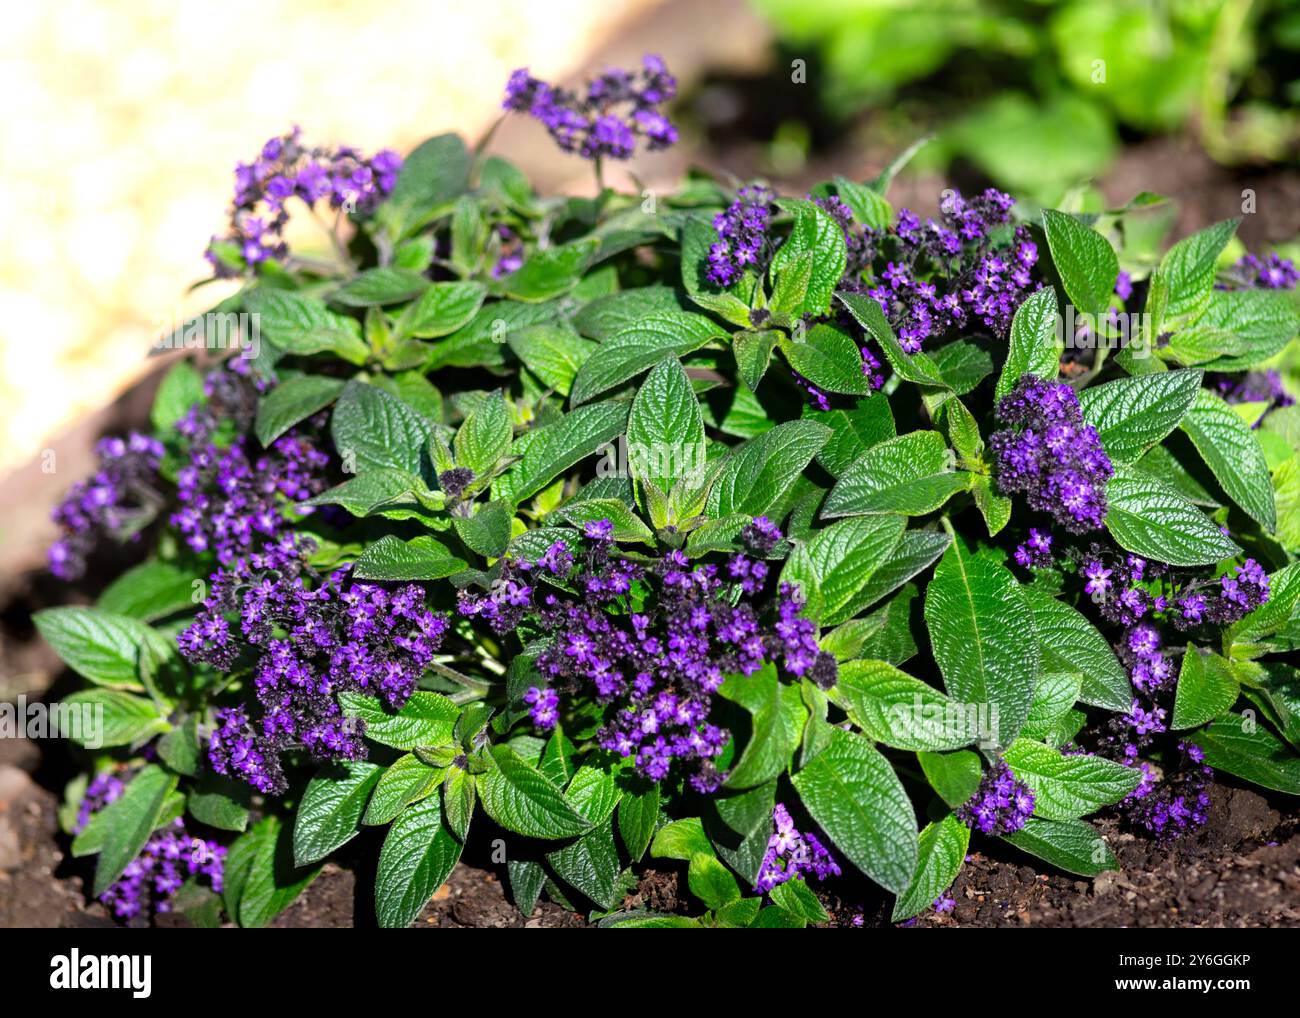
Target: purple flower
x,y
791,854
543,707
1051,456
617,108
742,236
1001,804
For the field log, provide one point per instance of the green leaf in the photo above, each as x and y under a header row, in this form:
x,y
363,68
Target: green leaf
x,y
963,364
915,552
179,749
941,851
856,798
485,435
1084,260
594,792
1254,632
917,367
292,402
1189,266
627,526
421,558
1241,746
795,897
1070,845
379,286
406,780
638,812
732,303
1070,643
753,353
830,359
1152,520
442,309
665,429
836,564
426,719
304,325
778,716
261,880
384,491
220,802
521,799
378,430
639,347
548,451
983,636
711,882
109,717
552,353
815,238
526,881
1034,347
550,272
488,530
885,634
123,826
900,711
911,474
1206,689
681,839
1133,414
853,432
179,390
955,776
101,646
419,854
1068,786
1233,453
329,814
149,591
867,205
1246,326
481,342
756,474
430,179
590,866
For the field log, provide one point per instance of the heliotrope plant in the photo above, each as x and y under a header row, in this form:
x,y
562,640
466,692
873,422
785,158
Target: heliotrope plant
x,y
783,537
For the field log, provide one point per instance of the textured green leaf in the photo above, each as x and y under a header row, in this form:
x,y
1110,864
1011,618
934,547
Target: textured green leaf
x,y
753,353
123,826
550,272
816,237
112,718
916,551
912,474
293,401
442,309
552,449
638,812
917,367
830,359
485,435
1249,326
305,325
983,637
711,882
900,711
853,431
590,865
377,429
1206,689
1155,522
329,814
419,854
1133,414
1069,642
521,799
665,429
1241,746
640,347
379,286
426,719
406,780
149,591
101,646
1189,266
552,353
1034,347
758,473
1070,845
941,851
421,558
1084,260
778,716
431,177
1068,786
856,798
1233,454
955,776
834,566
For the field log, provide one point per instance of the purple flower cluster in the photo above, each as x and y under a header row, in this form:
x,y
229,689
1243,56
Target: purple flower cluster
x,y
946,273
117,500
1271,273
285,169
792,854
1117,582
168,859
1050,455
617,107
232,496
1180,803
1253,387
1000,805
1238,593
362,638
650,642
742,236
1036,551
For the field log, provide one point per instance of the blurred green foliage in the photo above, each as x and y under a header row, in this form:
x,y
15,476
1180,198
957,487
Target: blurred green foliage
x,y
1036,93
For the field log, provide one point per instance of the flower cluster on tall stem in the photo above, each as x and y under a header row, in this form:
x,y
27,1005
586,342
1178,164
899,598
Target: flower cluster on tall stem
x,y
340,178
792,853
606,118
